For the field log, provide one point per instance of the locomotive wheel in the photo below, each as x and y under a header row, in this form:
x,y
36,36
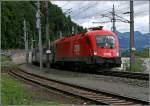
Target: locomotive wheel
x,y
76,67
118,65
93,68
51,65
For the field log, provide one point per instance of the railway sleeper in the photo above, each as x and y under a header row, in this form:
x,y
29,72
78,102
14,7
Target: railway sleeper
x,y
72,90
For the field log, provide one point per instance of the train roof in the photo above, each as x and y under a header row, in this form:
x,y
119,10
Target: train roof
x,y
65,39
90,33
100,32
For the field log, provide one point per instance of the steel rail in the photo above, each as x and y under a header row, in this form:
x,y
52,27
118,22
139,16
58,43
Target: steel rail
x,y
98,97
123,74
132,75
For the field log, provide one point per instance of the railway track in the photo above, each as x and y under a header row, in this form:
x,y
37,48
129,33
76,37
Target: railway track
x,y
95,96
139,76
132,75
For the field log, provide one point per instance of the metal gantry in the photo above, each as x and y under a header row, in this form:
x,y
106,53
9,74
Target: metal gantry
x,y
132,48
26,40
47,33
38,26
113,20
131,22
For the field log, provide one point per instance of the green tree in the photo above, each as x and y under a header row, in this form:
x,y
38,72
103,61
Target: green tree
x,y
13,14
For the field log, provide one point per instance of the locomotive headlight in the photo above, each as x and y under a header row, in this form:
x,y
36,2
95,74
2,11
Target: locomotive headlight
x,y
107,54
117,53
95,52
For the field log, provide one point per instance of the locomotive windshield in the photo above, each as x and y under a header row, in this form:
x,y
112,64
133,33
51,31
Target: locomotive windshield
x,y
105,41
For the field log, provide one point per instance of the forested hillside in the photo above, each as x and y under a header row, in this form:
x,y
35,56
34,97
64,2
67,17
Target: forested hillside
x,y
13,14
141,40
142,53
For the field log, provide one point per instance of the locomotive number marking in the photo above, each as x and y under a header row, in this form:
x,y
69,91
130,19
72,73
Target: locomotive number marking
x,y
77,49
107,54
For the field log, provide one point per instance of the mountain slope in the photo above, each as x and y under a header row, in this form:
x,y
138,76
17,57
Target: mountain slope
x,y
141,41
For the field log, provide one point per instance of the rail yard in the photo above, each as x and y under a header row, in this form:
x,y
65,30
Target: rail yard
x,y
99,87
100,97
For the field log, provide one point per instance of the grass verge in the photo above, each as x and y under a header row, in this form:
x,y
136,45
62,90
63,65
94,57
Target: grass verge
x,y
5,58
137,66
14,92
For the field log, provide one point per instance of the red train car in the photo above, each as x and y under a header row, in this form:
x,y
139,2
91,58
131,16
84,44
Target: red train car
x,y
94,48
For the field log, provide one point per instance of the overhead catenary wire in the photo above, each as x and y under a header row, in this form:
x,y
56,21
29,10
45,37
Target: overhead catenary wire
x,y
107,11
103,22
114,17
123,18
65,4
72,8
84,9
122,10
103,13
97,13
108,15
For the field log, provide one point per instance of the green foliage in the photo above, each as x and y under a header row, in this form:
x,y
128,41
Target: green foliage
x,y
13,14
5,58
5,61
137,66
144,53
13,93
125,54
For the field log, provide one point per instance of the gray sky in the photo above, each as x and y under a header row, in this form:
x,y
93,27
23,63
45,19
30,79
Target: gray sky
x,y
85,13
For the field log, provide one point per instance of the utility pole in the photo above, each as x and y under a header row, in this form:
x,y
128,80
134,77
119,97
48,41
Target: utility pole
x,y
38,26
60,34
113,19
25,40
32,48
149,41
132,48
73,30
28,41
76,30
68,12
47,34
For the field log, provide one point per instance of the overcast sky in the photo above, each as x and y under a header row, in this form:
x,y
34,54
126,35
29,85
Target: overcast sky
x,y
85,13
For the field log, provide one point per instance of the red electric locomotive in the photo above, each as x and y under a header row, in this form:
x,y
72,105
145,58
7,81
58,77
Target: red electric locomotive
x,y
97,47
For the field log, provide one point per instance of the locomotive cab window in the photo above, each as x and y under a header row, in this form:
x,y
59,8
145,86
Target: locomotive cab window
x,y
105,41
